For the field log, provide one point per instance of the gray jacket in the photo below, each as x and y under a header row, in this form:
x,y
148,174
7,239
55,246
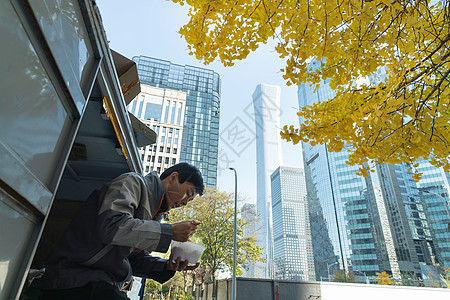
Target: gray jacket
x,y
111,236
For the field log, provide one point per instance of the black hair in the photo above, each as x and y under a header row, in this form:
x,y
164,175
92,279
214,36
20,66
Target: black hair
x,y
186,172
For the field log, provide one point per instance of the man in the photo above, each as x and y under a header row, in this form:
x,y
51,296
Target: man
x,y
110,238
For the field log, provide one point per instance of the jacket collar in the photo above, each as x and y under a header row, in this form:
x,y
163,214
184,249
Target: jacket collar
x,y
156,193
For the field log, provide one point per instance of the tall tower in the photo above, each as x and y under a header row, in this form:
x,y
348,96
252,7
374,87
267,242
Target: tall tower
x,y
434,189
376,223
266,104
293,253
200,141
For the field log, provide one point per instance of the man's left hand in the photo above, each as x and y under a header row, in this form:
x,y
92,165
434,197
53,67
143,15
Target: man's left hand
x,y
178,265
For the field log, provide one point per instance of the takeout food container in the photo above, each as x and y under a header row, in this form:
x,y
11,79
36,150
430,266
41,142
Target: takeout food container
x,y
187,250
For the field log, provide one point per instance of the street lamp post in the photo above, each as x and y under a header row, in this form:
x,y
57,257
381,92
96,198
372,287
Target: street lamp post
x,y
233,283
328,269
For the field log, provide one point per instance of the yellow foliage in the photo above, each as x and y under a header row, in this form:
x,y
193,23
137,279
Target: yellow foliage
x,y
445,277
384,278
403,118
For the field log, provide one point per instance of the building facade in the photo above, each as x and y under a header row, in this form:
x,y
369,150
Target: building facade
x,y
163,111
200,140
434,189
293,253
324,256
266,104
375,224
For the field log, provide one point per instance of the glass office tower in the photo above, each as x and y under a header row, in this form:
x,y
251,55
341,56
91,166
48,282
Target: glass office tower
x,y
293,254
374,224
351,217
324,257
200,141
435,190
266,105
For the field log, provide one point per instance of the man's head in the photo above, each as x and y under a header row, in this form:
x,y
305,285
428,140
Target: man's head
x,y
181,183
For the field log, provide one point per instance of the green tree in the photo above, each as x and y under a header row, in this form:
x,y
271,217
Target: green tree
x,y
215,211
172,289
342,276
152,289
402,118
409,279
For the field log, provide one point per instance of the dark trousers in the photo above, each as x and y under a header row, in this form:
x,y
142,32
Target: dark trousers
x,y
96,290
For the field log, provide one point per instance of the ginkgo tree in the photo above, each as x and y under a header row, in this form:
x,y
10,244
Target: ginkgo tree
x,y
402,118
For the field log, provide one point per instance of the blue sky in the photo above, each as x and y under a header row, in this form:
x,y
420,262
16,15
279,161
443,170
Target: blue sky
x,y
150,28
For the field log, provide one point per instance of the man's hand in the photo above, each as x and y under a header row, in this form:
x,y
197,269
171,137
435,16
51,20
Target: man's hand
x,y
178,265
182,231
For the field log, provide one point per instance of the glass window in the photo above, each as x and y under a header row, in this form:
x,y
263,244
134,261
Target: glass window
x,y
166,115
160,159
168,150
141,104
133,106
174,150
172,119
174,161
167,160
153,110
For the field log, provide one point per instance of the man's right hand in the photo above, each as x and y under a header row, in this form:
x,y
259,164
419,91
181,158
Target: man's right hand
x,y
182,231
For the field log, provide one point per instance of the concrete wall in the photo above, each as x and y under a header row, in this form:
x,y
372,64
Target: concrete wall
x,y
249,288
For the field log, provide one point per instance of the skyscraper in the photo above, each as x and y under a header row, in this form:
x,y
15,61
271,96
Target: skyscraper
x,y
293,254
163,111
266,104
324,257
374,224
200,140
434,189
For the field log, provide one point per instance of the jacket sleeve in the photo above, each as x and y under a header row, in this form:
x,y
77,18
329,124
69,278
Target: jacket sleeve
x,y
145,265
116,223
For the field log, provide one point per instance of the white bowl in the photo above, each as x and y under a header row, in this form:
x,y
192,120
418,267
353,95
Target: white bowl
x,y
187,250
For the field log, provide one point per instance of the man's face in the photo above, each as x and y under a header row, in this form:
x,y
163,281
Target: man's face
x,y
178,194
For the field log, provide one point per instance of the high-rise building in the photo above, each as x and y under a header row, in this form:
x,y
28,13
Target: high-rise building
x,y
434,189
266,104
163,111
200,140
374,224
324,257
406,218
293,253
